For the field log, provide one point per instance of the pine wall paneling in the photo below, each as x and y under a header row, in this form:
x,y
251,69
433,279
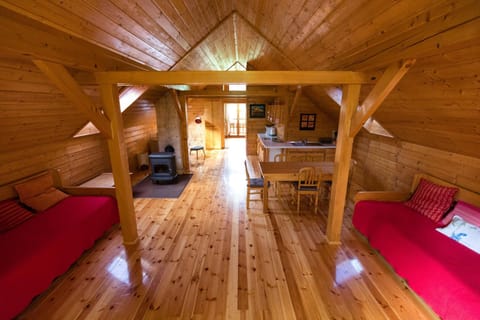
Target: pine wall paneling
x,y
215,124
254,125
323,127
196,131
140,126
390,164
37,124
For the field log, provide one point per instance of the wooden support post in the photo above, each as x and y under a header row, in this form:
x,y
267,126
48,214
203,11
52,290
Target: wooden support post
x,y
181,107
119,162
343,154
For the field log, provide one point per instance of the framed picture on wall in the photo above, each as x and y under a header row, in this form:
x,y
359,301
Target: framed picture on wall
x,y
307,121
257,111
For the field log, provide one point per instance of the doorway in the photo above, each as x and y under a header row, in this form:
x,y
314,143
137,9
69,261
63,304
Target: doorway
x,y
236,119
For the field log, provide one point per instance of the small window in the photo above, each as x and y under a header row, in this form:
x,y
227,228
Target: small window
x,y
87,130
373,127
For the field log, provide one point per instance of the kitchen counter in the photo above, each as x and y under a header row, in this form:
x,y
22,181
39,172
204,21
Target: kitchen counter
x,y
273,143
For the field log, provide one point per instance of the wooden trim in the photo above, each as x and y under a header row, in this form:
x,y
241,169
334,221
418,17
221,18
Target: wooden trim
x,y
379,93
221,77
119,162
83,191
59,75
7,191
343,155
381,196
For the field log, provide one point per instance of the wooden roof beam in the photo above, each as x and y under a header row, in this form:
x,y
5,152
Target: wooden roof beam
x,y
221,77
379,93
60,76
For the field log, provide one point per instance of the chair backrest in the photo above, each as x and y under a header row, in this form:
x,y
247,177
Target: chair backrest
x,y
280,157
309,177
246,170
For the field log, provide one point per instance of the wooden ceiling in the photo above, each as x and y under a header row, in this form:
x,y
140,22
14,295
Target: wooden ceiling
x,y
436,104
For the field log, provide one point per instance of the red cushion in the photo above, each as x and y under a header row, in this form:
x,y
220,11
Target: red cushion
x,y
432,200
12,214
466,211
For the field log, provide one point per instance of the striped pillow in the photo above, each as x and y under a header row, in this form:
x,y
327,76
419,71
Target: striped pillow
x,y
12,214
432,200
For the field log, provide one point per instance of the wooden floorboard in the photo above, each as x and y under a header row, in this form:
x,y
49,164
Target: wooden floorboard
x,y
204,256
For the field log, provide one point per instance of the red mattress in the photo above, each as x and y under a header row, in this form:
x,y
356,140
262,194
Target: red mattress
x,y
440,270
44,247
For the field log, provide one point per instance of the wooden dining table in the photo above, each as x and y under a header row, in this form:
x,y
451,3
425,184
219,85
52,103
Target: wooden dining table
x,y
288,171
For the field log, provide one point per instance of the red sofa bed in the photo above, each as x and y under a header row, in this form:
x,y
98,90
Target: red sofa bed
x,y
45,246
440,270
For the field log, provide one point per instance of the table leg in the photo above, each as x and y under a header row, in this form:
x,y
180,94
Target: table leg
x,y
265,195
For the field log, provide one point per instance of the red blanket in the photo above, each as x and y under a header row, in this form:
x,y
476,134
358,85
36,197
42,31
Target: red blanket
x,y
44,247
440,270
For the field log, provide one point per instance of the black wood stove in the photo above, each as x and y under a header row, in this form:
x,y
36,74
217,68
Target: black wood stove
x,y
163,167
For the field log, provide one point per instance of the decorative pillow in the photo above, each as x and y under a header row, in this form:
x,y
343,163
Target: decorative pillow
x,y
432,200
463,232
45,200
12,214
34,186
466,211
39,193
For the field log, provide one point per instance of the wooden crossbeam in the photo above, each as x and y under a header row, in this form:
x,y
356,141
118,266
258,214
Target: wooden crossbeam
x,y
379,93
275,92
130,95
221,77
60,76
298,93
178,105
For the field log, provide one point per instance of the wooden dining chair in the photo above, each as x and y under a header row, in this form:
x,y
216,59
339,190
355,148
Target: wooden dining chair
x,y
254,186
280,157
309,181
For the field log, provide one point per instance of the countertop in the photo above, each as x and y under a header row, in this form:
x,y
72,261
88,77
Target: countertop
x,y
273,143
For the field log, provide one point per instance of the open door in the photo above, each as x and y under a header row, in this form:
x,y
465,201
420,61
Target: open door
x,y
235,119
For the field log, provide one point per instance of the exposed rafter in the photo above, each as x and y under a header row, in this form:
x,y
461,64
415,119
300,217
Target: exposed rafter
x,y
178,105
298,93
379,93
60,76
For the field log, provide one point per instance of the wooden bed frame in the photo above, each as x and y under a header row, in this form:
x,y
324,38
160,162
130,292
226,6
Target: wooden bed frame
x,y
462,194
7,191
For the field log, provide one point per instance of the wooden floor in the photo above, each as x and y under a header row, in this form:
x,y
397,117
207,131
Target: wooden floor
x,y
204,256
